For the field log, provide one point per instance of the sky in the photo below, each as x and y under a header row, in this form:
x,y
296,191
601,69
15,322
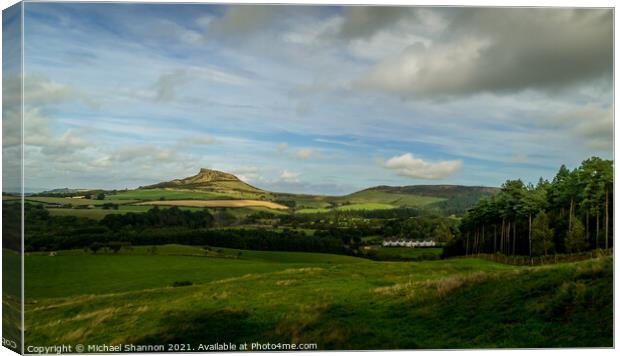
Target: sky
x,y
312,99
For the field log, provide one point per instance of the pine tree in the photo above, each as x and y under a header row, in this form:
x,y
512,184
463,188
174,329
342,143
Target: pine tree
x,y
542,235
576,237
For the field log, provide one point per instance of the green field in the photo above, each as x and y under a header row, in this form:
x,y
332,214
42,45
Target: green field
x,y
78,201
366,206
313,210
168,194
338,302
97,213
402,200
408,253
348,207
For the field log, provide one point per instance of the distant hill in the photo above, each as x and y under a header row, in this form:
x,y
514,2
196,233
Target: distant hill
x,y
209,184
65,192
452,199
61,191
443,191
209,180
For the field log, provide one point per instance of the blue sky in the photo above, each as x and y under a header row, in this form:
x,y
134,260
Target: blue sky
x,y
312,99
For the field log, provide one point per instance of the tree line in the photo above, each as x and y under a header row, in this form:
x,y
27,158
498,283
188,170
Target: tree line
x,y
45,232
569,214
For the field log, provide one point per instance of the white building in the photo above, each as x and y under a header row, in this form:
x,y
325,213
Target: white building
x,y
409,243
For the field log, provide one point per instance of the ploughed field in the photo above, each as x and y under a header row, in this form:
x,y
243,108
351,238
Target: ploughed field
x,y
189,294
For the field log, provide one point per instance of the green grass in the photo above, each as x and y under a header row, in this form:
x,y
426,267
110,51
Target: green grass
x,y
169,194
401,200
348,207
11,295
100,213
78,272
313,210
338,302
76,201
404,252
366,206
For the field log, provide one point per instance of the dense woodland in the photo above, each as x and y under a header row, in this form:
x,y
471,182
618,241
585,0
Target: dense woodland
x,y
334,232
571,213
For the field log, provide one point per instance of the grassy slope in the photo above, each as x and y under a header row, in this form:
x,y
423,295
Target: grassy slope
x,y
75,201
76,272
170,194
375,196
335,301
98,213
408,252
348,207
11,295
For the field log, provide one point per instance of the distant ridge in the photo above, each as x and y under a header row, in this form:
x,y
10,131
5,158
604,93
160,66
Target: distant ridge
x,y
452,199
208,179
442,190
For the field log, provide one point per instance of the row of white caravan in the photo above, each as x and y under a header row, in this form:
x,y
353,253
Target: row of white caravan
x,y
409,243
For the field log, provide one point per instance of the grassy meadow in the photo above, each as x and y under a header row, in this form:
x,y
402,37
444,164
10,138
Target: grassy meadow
x,y
255,266
246,296
428,253
171,194
394,199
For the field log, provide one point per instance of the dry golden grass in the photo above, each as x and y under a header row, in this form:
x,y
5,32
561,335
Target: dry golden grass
x,y
286,282
237,203
436,288
302,270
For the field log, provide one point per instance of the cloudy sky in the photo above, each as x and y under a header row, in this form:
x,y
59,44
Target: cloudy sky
x,y
312,99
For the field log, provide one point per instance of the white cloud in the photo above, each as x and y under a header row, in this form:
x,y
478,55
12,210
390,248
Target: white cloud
x,y
169,83
70,142
304,153
290,177
591,123
149,153
200,140
426,70
282,147
248,174
408,165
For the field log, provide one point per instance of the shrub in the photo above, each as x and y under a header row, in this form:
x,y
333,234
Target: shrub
x,y
182,283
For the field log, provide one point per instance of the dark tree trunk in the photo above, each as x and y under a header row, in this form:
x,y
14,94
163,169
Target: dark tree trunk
x,y
570,215
597,229
588,226
501,238
530,235
495,238
508,238
606,219
467,245
482,244
514,237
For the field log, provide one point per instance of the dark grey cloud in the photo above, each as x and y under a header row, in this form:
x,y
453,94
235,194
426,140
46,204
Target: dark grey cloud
x,y
241,19
248,20
167,84
502,50
364,21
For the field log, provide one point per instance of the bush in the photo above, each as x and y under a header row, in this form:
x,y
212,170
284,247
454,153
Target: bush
x,y
182,283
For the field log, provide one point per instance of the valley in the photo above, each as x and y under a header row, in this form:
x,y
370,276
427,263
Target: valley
x,y
210,258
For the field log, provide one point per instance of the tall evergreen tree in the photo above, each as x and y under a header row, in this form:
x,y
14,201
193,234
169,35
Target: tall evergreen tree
x,y
542,235
576,237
